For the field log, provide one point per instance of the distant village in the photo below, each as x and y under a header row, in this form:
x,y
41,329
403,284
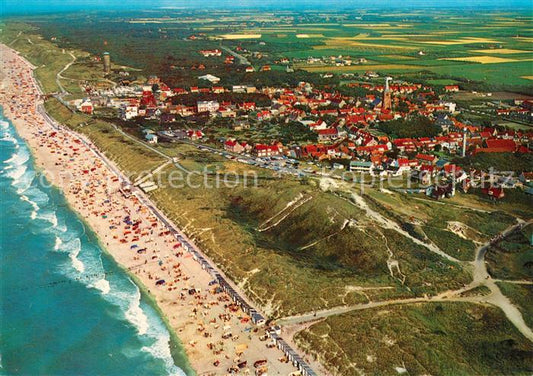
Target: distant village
x,y
346,127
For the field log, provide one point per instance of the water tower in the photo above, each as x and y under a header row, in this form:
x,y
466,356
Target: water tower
x,y
107,63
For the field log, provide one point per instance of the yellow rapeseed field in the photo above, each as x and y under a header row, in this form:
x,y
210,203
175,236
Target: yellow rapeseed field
x,y
482,59
341,42
240,36
309,36
500,51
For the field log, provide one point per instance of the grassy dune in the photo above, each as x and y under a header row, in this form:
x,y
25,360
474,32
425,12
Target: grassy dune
x,y
49,59
520,295
513,257
434,338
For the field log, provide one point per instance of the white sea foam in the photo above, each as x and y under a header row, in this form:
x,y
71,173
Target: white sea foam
x,y
10,160
16,172
24,182
136,315
31,202
49,216
37,196
151,328
102,285
73,248
20,157
61,228
161,349
57,243
33,214
9,138
76,263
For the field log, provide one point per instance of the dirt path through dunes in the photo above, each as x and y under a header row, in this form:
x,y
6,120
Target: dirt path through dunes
x,y
480,276
497,298
59,76
390,224
284,213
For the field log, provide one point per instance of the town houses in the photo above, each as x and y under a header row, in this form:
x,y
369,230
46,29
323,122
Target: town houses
x,y
344,128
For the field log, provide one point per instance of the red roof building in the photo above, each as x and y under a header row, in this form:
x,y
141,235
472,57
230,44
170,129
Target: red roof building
x,y
426,159
262,150
495,193
498,145
451,88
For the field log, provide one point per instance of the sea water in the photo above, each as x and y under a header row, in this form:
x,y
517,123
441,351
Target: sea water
x,y
66,308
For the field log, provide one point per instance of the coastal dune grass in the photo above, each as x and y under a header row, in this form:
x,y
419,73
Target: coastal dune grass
x,y
512,258
425,338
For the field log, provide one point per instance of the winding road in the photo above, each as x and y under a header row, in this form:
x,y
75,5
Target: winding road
x,y
59,76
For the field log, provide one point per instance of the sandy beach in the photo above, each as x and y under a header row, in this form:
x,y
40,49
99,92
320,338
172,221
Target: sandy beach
x,y
214,331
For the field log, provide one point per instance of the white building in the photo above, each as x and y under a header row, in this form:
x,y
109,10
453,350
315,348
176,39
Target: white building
x,y
129,112
207,106
450,106
210,78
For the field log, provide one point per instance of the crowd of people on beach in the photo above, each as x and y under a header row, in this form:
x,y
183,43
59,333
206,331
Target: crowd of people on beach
x,y
219,338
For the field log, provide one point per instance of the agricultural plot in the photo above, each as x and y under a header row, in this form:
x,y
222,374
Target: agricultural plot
x,y
491,48
483,59
429,44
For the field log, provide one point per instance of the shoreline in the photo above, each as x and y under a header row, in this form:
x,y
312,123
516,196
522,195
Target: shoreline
x,y
176,346
200,321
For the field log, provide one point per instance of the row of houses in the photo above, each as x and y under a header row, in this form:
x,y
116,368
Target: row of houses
x,y
342,123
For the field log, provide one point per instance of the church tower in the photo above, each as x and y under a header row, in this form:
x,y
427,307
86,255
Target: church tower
x,y
387,102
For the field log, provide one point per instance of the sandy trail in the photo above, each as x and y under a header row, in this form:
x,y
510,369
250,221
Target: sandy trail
x,y
390,224
481,277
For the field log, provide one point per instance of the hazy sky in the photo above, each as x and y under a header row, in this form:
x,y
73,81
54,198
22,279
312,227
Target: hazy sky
x,y
40,6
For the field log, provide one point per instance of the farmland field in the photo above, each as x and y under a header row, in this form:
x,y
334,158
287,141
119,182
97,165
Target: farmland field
x,y
490,48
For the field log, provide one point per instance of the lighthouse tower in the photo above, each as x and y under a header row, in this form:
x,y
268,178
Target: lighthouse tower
x,y
387,102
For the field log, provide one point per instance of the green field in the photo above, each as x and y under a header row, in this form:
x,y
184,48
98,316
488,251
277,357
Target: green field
x,y
392,43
